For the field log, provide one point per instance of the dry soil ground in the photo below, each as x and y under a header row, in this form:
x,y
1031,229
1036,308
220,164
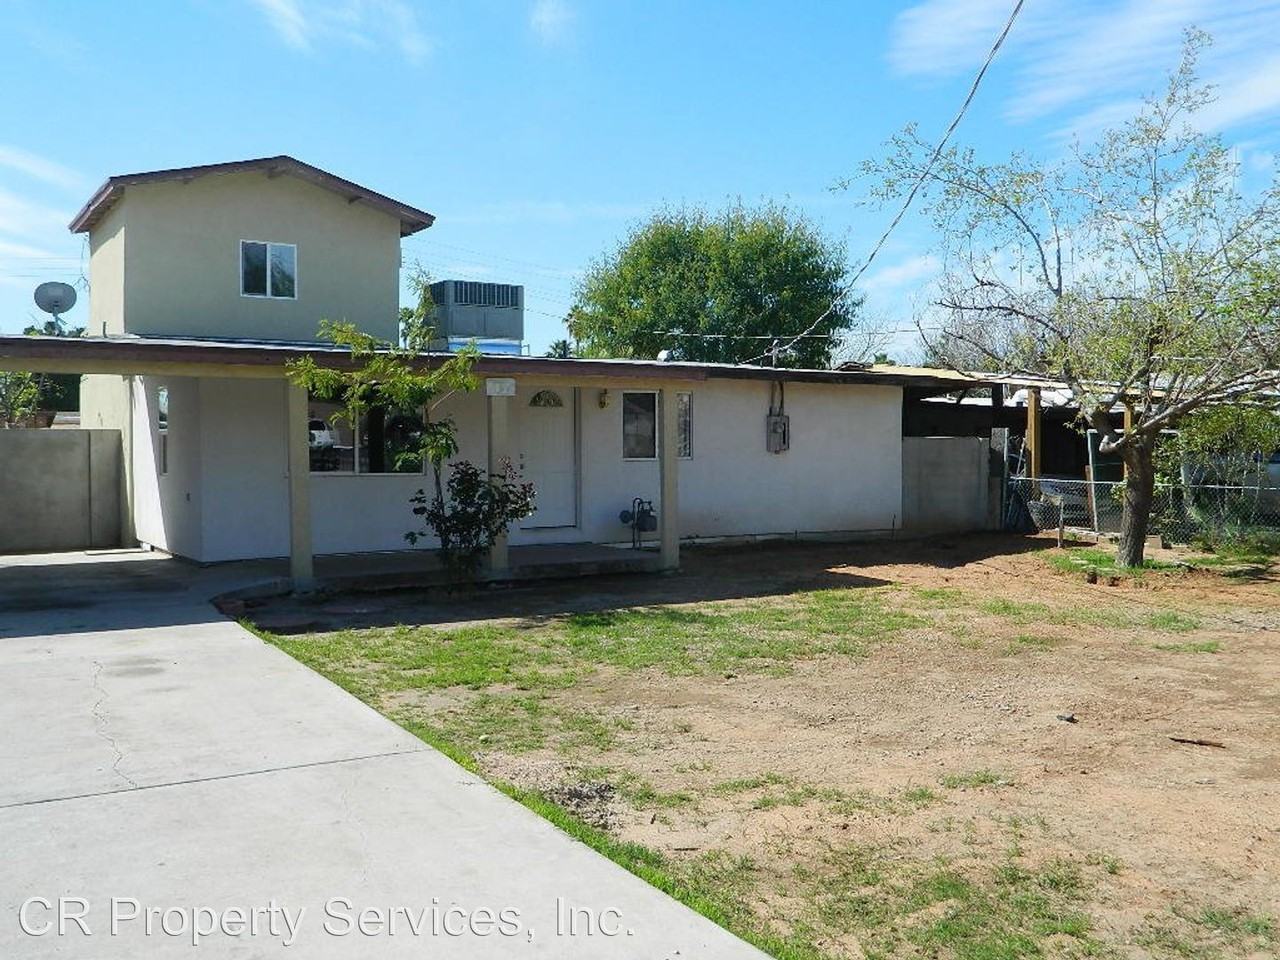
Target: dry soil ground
x,y
942,748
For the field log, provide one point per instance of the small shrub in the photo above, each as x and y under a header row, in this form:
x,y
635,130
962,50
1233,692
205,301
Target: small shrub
x,y
477,510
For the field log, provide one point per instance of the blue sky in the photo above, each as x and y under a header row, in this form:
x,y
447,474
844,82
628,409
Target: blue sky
x,y
538,130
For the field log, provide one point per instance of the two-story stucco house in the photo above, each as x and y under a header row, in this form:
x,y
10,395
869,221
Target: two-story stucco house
x,y
206,280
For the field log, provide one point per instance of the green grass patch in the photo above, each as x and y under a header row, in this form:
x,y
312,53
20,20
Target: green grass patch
x,y
1112,865
1237,923
1024,642
1171,621
921,796
946,909
728,788
1102,562
643,795
974,779
1208,933
1194,646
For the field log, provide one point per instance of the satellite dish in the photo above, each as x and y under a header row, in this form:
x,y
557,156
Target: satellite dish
x,y
55,298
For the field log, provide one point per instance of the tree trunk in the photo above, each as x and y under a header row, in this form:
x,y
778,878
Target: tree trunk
x,y
1139,496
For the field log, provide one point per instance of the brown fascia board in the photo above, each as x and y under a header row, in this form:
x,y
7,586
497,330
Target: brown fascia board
x,y
411,218
142,350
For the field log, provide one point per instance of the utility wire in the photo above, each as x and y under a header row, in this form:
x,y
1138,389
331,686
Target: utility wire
x,y
911,195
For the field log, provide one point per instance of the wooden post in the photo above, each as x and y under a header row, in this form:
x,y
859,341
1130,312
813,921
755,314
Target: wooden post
x,y
668,466
499,450
301,562
1033,436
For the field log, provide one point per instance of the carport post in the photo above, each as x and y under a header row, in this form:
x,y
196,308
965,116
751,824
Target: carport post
x,y
1033,438
301,564
499,450
668,465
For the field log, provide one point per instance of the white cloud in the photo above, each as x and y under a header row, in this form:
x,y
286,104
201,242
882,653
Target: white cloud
x,y
25,251
369,24
1091,65
40,168
942,37
550,21
913,270
22,218
287,19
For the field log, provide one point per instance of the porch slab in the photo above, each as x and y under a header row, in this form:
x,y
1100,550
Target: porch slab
x,y
370,572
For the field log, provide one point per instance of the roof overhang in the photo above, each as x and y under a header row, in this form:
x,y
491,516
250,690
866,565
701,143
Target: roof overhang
x,y
411,218
257,359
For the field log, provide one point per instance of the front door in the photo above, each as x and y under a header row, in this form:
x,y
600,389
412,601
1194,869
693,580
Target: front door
x,y
548,456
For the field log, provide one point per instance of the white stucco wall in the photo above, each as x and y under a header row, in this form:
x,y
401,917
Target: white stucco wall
x,y
226,495
167,507
842,473
246,494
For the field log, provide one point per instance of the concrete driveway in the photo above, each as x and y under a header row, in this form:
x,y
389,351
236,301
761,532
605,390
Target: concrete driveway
x,y
162,768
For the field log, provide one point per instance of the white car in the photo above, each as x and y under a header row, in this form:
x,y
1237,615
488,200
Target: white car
x,y
321,434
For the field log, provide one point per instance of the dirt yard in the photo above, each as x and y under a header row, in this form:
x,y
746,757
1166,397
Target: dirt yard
x,y
947,748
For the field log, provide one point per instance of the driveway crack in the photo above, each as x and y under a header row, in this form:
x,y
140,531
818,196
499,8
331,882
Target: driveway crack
x,y
100,726
354,819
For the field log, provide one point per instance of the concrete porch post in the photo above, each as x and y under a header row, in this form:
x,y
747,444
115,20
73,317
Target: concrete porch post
x,y
499,408
301,562
668,465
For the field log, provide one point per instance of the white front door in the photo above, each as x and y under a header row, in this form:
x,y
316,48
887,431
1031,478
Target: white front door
x,y
547,441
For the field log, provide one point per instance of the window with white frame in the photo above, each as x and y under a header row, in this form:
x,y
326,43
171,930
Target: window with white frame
x,y
639,425
162,430
268,270
684,424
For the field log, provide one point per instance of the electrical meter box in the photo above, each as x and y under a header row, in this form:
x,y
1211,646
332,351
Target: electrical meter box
x,y
777,434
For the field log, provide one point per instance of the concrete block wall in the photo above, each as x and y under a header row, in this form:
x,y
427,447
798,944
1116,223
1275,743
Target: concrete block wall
x,y
946,485
59,490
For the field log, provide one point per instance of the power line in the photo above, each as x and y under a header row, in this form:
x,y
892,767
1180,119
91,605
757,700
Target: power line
x,y
568,275
915,188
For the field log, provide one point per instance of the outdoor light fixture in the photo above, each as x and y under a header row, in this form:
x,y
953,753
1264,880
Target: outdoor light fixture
x,y
603,399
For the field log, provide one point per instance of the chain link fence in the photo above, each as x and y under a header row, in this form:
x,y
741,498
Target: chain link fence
x,y
1181,513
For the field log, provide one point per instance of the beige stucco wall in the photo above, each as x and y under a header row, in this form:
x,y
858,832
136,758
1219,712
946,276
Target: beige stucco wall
x,y
181,263
106,274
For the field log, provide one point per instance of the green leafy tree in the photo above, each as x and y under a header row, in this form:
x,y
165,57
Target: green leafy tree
x,y
58,391
1136,270
560,349
417,323
1227,444
717,288
19,398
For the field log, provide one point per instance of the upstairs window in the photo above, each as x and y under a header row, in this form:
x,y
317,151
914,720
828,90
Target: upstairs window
x,y
268,270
